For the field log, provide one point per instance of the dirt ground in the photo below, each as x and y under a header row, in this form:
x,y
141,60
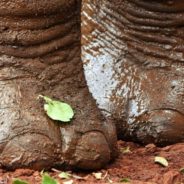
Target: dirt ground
x,y
135,165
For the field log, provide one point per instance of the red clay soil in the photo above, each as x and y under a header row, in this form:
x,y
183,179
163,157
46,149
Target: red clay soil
x,y
135,163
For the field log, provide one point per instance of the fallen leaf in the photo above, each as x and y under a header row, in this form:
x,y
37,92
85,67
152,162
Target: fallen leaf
x,y
98,175
182,170
109,180
162,161
68,182
46,179
57,110
105,176
78,177
64,175
125,150
18,181
125,180
42,172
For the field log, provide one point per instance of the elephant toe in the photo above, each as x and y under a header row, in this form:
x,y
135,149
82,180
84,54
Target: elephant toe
x,y
161,127
92,151
30,150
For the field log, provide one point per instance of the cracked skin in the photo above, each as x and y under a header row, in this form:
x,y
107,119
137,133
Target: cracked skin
x,y
43,50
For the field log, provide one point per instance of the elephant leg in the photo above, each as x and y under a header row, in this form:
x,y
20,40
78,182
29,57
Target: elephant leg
x,y
40,54
137,47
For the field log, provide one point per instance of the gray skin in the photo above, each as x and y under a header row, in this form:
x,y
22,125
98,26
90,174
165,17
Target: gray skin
x,y
133,63
132,52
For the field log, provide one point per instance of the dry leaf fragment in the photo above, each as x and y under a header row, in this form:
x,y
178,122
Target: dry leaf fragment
x,y
68,182
64,175
98,175
162,161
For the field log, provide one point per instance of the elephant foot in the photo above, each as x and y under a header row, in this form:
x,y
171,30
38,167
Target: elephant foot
x,y
40,54
29,139
36,151
136,46
34,141
155,110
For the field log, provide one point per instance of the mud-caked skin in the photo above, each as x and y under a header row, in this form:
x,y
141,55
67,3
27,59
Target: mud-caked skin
x,y
40,53
134,66
132,52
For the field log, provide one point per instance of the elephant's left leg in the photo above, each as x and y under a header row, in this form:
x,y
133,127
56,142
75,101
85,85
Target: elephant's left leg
x,y
40,54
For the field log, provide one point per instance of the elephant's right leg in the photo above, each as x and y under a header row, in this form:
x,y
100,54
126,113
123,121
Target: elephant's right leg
x,y
40,54
133,61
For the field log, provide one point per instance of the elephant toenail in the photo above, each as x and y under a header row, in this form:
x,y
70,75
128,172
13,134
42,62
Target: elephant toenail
x,y
92,151
162,126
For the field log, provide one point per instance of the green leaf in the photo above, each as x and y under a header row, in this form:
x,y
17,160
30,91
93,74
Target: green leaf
x,y
125,180
64,175
46,179
162,161
57,110
18,181
126,150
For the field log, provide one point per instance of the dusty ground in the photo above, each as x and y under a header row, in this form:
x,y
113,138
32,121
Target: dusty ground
x,y
135,165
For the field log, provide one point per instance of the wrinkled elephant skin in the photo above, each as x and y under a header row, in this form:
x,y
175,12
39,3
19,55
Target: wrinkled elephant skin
x,y
40,54
133,63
